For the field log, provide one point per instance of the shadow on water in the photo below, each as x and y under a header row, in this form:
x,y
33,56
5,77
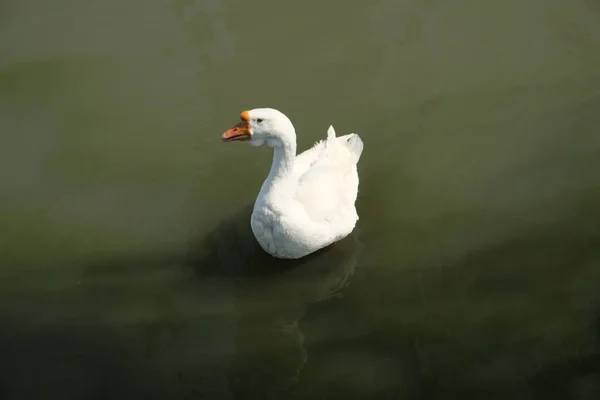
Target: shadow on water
x,y
271,297
221,320
517,319
231,250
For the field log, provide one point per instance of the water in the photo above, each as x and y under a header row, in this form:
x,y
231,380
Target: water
x,y
127,265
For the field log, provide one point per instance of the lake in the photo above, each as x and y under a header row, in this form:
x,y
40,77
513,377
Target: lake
x,y
127,266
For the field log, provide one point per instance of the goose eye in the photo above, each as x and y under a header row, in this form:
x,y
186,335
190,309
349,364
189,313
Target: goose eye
x,y
259,120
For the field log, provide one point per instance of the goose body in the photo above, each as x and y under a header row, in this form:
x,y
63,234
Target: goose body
x,y
307,201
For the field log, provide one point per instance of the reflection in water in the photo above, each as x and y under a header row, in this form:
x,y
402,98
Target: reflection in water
x,y
271,297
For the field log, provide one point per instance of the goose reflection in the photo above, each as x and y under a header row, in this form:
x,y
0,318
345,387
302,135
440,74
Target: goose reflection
x,y
271,297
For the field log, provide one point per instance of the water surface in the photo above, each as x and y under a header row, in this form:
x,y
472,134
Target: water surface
x,y
128,269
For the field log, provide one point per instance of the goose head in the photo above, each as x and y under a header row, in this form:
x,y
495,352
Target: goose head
x,y
262,126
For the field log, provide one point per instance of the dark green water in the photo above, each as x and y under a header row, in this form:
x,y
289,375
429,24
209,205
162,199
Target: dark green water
x,y
127,266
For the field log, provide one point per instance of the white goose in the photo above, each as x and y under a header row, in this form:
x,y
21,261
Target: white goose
x,y
307,201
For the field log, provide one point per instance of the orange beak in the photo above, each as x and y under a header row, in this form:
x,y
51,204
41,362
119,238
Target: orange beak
x,y
241,131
